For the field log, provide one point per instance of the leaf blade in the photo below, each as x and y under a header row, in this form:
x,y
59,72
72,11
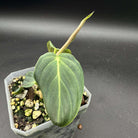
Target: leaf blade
x,y
29,80
59,81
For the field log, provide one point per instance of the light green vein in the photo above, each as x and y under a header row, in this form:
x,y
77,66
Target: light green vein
x,y
42,59
46,68
59,92
77,64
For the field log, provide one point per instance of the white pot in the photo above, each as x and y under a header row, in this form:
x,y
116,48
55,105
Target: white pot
x,y
47,129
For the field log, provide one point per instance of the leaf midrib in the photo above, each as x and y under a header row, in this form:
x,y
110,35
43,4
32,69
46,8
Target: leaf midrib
x,y
59,91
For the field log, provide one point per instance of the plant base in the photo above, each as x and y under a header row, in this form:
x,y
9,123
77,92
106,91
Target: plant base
x,y
47,129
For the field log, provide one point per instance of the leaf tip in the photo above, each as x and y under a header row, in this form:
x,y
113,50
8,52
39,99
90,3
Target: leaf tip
x,y
87,17
48,42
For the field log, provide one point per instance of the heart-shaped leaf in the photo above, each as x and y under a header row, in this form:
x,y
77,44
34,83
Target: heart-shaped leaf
x,y
61,81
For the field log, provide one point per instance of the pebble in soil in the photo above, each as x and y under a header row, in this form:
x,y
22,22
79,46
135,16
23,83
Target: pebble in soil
x,y
28,106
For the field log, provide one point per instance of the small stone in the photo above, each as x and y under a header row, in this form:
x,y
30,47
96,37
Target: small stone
x,y
23,77
36,107
17,99
41,104
28,112
12,103
37,101
47,118
15,79
29,103
20,77
36,114
22,103
35,87
18,108
80,126
27,127
16,125
43,114
34,125
12,93
13,99
12,107
85,93
34,101
16,111
19,82
22,95
39,93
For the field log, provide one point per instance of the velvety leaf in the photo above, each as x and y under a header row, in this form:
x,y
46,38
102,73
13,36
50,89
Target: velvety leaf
x,y
29,80
52,48
61,81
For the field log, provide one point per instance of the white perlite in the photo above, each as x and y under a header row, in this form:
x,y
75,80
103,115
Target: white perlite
x,y
29,103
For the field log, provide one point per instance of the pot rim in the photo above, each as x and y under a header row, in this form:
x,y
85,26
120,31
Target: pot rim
x,y
42,126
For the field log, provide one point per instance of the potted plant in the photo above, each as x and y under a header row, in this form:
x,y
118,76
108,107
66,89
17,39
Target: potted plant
x,y
45,100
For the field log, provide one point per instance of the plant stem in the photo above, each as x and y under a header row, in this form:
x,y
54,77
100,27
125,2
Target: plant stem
x,y
73,35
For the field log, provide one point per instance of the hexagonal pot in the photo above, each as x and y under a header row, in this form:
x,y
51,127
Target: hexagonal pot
x,y
47,129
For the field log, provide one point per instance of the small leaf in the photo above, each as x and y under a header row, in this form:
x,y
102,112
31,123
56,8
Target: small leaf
x,y
17,91
61,81
29,80
52,48
66,51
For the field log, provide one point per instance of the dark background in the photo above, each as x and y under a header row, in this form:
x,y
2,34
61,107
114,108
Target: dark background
x,y
107,48
121,10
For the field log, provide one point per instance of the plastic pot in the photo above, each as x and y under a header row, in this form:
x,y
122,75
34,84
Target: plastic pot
x,y
47,129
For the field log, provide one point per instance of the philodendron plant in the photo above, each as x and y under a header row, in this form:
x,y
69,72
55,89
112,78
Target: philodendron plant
x,y
60,77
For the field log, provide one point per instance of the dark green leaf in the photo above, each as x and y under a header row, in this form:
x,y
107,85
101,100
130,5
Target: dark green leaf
x,y
18,91
29,80
61,81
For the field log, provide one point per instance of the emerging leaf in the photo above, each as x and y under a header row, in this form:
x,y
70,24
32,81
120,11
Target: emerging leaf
x,y
61,81
52,48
